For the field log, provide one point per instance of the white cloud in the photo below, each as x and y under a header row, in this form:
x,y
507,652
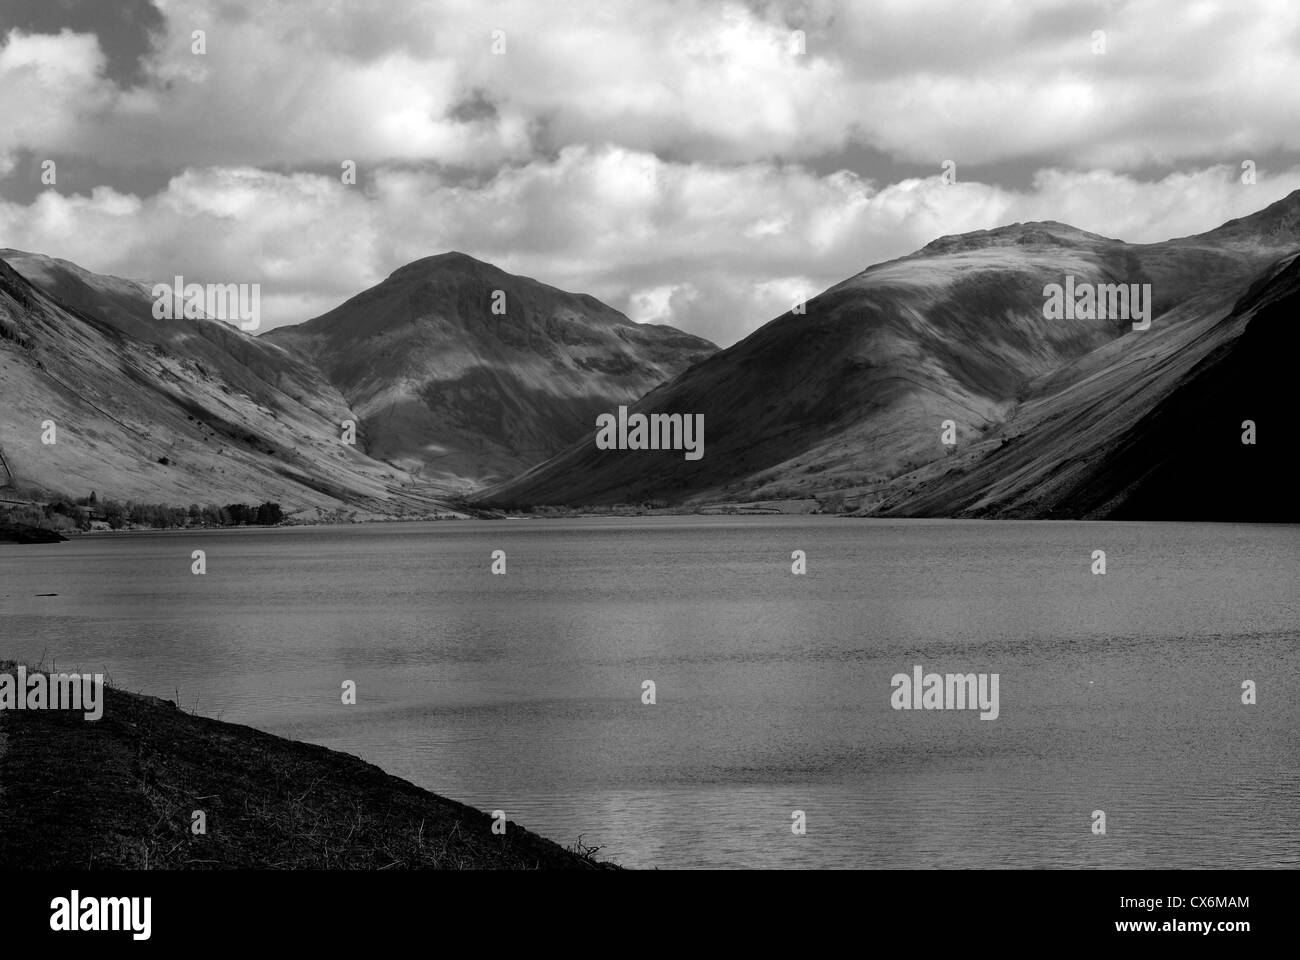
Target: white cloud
x,y
49,85
715,81
664,242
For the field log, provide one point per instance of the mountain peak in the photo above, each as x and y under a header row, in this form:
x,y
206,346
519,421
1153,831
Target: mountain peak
x,y
1040,232
451,261
463,392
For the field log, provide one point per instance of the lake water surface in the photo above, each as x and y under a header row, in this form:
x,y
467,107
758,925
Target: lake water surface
x,y
523,692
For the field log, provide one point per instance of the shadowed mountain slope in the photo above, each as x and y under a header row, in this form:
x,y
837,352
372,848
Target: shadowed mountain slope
x,y
849,398
463,395
1173,451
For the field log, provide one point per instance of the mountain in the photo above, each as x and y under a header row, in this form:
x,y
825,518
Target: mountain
x,y
1175,451
166,411
249,364
847,401
461,395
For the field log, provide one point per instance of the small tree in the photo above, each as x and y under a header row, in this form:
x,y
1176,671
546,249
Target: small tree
x,y
115,514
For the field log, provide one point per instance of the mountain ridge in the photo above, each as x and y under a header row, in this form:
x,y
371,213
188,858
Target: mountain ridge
x,y
144,420
860,384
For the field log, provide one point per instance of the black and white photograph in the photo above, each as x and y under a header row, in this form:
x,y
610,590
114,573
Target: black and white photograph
x,y
628,441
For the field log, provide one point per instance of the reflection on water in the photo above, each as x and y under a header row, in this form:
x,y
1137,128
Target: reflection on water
x,y
523,692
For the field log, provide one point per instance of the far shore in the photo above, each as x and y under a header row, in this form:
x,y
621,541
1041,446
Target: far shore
x,y
51,532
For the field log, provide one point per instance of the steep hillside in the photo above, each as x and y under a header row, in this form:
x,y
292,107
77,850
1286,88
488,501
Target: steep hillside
x,y
1172,451
448,389
849,398
254,366
147,420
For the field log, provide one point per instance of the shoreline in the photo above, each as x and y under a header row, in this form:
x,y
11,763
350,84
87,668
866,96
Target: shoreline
x,y
122,792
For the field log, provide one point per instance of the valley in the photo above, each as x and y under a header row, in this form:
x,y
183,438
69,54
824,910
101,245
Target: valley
x,y
1031,370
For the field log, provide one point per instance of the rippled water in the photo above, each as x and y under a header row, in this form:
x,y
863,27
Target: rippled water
x,y
523,692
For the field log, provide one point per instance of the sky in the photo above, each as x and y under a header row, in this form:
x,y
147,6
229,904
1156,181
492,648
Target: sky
x,y
703,163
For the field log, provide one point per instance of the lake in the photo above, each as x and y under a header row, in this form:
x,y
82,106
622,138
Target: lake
x,y
1119,692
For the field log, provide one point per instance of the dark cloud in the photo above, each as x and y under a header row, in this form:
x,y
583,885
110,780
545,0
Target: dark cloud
x,y
122,26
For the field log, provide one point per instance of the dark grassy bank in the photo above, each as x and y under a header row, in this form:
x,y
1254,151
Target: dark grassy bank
x,y
120,792
22,533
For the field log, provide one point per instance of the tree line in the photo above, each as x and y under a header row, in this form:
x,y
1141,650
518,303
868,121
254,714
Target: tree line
x,y
83,511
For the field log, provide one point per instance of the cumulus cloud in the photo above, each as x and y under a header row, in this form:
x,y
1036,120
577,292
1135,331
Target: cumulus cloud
x,y
49,86
715,249
713,81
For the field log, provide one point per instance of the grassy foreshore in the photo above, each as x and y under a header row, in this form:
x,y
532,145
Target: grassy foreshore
x,y
121,792
27,533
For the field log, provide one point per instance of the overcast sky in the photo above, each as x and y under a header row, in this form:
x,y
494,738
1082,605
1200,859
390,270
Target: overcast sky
x,y
696,163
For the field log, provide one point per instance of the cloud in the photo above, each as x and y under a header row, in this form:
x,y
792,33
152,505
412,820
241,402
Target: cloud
x,y
710,81
717,249
49,85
